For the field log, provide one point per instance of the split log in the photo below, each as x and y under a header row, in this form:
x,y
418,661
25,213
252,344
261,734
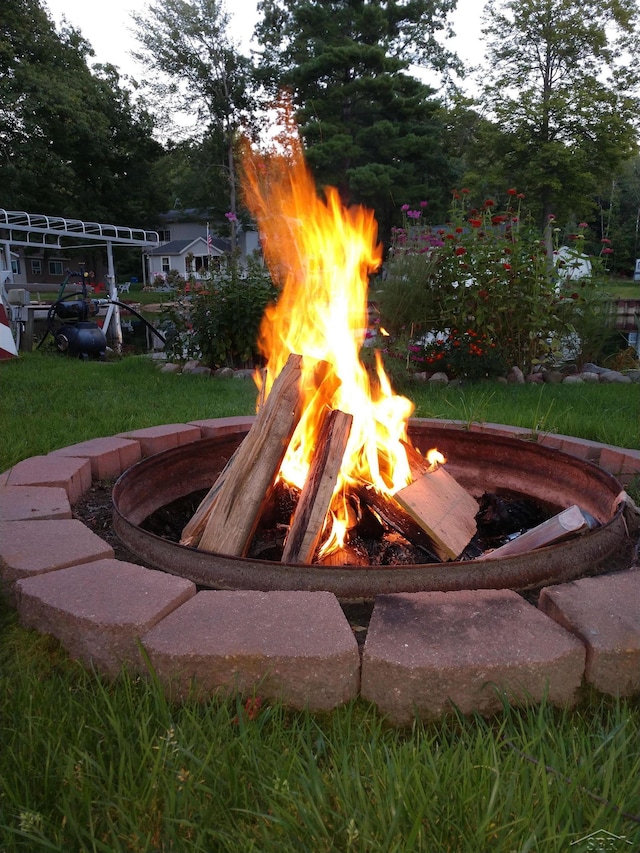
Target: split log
x,y
193,529
567,523
396,517
247,485
315,498
443,509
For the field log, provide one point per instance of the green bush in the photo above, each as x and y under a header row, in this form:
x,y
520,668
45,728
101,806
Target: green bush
x,y
481,293
220,323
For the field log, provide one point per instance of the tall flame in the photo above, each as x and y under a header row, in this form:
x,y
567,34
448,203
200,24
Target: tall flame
x,y
320,255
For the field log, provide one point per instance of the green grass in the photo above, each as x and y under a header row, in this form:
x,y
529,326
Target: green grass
x,y
87,765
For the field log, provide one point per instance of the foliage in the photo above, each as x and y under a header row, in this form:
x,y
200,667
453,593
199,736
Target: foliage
x,y
370,128
200,71
74,142
220,322
561,85
476,296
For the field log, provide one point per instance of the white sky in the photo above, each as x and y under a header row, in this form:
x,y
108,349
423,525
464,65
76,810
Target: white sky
x,y
106,24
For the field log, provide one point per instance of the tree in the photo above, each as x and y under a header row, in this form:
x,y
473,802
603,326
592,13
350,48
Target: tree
x,y
203,73
72,142
369,127
561,84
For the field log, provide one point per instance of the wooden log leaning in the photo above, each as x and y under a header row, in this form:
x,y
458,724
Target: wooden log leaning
x,y
193,529
236,511
315,498
569,522
398,519
443,509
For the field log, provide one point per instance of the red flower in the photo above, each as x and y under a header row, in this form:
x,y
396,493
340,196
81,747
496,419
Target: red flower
x,y
475,223
605,240
460,250
489,203
459,230
464,191
496,220
511,192
507,267
607,251
521,196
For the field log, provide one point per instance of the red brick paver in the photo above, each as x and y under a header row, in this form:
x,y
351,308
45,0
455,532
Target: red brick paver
x,y
295,646
21,503
604,612
34,547
69,473
430,651
214,427
156,439
109,457
99,610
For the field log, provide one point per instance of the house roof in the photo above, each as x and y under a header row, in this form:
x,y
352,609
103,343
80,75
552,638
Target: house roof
x,y
182,247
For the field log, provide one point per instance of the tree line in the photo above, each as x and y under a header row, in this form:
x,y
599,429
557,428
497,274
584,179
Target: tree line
x,y
555,114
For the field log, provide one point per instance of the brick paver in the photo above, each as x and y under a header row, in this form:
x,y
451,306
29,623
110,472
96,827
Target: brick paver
x,y
109,457
34,547
295,646
156,439
99,610
69,473
215,427
430,651
604,612
22,503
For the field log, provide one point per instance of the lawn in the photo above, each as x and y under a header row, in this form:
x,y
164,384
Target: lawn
x,y
88,765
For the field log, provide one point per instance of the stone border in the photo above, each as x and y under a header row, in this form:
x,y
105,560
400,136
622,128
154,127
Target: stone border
x,y
424,654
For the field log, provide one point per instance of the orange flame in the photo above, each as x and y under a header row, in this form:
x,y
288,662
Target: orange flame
x,y
320,255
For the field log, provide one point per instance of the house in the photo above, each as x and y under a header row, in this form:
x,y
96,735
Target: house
x,y
187,257
187,246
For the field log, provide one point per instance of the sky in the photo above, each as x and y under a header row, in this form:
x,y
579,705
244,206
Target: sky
x,y
106,26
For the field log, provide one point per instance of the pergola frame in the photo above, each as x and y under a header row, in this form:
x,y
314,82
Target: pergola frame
x,y
19,228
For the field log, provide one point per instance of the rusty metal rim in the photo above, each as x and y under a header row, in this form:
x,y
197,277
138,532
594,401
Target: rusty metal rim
x,y
177,472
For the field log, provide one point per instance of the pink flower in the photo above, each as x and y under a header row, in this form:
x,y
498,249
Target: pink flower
x,y
607,251
231,216
424,203
404,208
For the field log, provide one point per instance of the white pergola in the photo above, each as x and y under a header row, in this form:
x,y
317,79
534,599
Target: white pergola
x,y
18,228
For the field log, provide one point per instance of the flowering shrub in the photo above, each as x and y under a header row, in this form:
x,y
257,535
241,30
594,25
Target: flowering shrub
x,y
477,295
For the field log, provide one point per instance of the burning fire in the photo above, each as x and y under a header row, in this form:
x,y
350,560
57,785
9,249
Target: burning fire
x,y
320,255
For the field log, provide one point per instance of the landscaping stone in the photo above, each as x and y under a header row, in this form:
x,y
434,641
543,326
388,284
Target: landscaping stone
x,y
293,646
30,548
22,503
430,651
515,376
224,373
159,438
614,376
69,473
170,367
588,376
534,378
109,457
604,612
99,610
439,378
190,365
553,377
573,379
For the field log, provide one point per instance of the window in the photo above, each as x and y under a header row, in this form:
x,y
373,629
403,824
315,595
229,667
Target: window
x,y
15,266
164,236
36,267
55,267
165,265
200,263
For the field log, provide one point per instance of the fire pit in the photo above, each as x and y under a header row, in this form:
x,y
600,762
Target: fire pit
x,y
331,435
479,462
